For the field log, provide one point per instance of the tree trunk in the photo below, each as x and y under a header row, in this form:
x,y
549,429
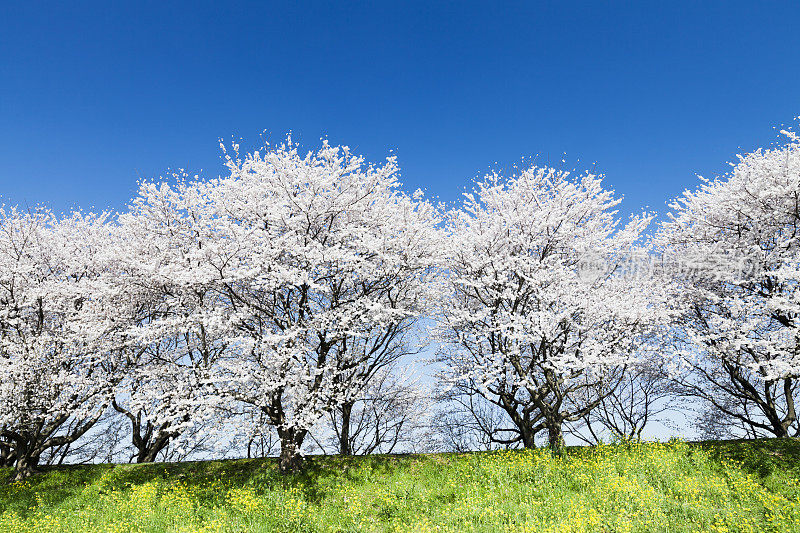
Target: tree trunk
x,y
149,451
555,436
344,433
528,438
290,462
779,430
7,457
148,439
25,466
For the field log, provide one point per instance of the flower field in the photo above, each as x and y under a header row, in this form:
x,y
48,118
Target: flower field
x,y
727,486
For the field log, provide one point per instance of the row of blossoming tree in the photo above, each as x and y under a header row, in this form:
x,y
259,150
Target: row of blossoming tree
x,y
278,297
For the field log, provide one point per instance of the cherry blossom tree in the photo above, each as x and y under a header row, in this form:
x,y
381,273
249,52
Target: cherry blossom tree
x,y
61,330
308,269
181,329
637,395
390,414
736,238
329,260
468,419
536,309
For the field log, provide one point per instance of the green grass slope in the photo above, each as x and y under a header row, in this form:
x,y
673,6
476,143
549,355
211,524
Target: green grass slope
x,y
725,486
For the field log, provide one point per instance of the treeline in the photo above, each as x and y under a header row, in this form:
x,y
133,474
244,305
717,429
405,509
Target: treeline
x,y
275,310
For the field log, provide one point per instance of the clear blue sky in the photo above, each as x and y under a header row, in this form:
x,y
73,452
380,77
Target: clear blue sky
x,y
94,96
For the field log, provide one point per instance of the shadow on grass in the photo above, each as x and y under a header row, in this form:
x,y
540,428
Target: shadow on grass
x,y
761,457
210,481
51,486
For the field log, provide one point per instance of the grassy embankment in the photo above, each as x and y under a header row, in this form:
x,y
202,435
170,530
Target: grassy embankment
x,y
729,486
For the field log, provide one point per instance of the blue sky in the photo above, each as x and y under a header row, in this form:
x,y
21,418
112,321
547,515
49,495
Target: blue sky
x,y
94,96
